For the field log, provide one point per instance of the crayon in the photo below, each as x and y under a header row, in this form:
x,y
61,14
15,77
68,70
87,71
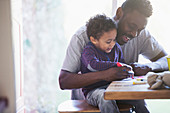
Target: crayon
x,y
139,82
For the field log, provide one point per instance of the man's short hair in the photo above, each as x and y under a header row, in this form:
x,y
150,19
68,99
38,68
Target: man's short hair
x,y
142,6
97,25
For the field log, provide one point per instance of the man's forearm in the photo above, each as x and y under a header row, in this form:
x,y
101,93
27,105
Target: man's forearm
x,y
159,65
69,80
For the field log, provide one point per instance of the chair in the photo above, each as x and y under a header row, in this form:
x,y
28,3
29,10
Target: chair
x,y
81,106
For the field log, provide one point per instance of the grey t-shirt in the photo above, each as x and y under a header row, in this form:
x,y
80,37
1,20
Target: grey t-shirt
x,y
144,44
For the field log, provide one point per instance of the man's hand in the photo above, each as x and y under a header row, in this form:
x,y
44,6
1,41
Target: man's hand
x,y
117,73
140,69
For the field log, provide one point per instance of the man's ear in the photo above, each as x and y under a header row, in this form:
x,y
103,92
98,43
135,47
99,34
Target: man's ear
x,y
119,14
93,40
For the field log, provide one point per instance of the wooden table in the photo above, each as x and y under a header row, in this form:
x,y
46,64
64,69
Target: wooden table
x,y
125,90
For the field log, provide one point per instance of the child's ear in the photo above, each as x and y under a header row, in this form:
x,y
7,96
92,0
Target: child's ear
x,y
93,40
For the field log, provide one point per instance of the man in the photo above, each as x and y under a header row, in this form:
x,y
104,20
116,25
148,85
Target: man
x,y
131,19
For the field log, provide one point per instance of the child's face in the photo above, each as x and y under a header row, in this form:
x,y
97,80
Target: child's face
x,y
107,41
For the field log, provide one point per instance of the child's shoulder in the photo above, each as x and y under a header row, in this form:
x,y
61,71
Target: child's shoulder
x,y
89,47
118,46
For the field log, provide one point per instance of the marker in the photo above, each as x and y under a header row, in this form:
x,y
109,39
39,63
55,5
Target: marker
x,y
119,64
140,79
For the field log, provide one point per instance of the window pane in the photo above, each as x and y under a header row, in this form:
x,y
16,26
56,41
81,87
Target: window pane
x,y
48,25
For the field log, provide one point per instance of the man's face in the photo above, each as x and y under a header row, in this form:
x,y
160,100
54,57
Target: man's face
x,y
130,26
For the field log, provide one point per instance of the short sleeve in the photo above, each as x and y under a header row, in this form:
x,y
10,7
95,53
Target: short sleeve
x,y
77,43
150,48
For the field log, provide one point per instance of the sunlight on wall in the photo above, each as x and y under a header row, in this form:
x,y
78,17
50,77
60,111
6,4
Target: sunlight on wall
x,y
77,12
159,22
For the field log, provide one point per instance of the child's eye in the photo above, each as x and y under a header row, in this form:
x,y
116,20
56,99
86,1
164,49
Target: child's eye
x,y
108,42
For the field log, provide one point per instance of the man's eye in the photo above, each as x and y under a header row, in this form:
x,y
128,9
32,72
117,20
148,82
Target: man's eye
x,y
131,27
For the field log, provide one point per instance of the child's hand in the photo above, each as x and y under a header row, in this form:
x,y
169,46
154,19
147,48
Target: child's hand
x,y
130,69
130,72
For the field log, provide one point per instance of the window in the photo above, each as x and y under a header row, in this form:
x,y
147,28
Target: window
x,y
47,29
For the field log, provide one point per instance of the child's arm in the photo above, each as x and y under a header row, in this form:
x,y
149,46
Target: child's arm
x,y
90,60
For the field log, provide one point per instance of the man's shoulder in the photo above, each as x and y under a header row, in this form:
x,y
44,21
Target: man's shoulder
x,y
81,31
80,36
144,34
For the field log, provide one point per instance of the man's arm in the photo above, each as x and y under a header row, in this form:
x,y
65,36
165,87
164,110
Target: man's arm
x,y
68,80
158,63
153,51
160,55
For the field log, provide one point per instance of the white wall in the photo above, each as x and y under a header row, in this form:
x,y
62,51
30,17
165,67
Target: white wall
x,y
7,79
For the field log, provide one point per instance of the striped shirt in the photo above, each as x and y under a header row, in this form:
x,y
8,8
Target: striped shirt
x,y
93,59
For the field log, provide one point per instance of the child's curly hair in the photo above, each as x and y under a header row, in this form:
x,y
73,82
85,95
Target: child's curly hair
x,y
97,25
